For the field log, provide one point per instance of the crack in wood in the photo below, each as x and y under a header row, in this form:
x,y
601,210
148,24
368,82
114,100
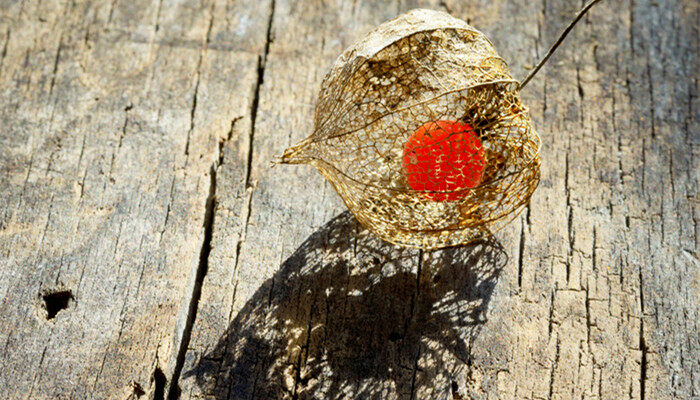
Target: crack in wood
x,y
56,60
202,267
239,244
521,251
157,17
174,390
303,356
159,383
224,140
554,368
3,53
198,73
642,342
262,63
419,268
122,133
570,219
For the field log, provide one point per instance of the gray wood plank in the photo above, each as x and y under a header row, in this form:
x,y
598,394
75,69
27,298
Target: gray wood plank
x,y
589,295
135,154
112,118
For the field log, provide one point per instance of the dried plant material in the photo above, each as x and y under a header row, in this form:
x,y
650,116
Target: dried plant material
x,y
420,129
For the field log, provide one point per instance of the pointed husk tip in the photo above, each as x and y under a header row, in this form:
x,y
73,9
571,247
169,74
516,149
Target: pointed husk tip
x,y
295,154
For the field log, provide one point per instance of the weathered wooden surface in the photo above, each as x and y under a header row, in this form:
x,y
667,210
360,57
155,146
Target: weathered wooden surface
x,y
135,147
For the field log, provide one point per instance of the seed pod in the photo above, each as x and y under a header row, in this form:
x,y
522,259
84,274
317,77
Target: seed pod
x,y
420,129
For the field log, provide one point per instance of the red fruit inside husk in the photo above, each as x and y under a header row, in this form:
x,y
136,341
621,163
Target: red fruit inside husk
x,y
443,156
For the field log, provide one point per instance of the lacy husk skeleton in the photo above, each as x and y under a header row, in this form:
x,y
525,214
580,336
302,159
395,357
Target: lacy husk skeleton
x,y
391,123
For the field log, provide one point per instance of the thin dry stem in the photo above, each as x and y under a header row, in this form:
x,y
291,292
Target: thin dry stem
x,y
556,44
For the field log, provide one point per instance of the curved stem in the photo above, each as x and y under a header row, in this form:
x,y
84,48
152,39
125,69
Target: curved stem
x,y
556,44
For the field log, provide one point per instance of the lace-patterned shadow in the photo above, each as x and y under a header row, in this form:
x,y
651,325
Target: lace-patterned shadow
x,y
351,316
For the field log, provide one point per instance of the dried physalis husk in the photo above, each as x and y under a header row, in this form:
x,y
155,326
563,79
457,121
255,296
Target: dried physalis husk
x,y
420,129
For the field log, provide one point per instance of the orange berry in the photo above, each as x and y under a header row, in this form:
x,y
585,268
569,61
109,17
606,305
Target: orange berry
x,y
443,156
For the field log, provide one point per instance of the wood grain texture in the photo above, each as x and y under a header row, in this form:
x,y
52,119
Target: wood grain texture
x,y
135,155
112,116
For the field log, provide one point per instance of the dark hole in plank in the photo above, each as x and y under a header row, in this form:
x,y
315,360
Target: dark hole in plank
x,y
56,301
455,391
